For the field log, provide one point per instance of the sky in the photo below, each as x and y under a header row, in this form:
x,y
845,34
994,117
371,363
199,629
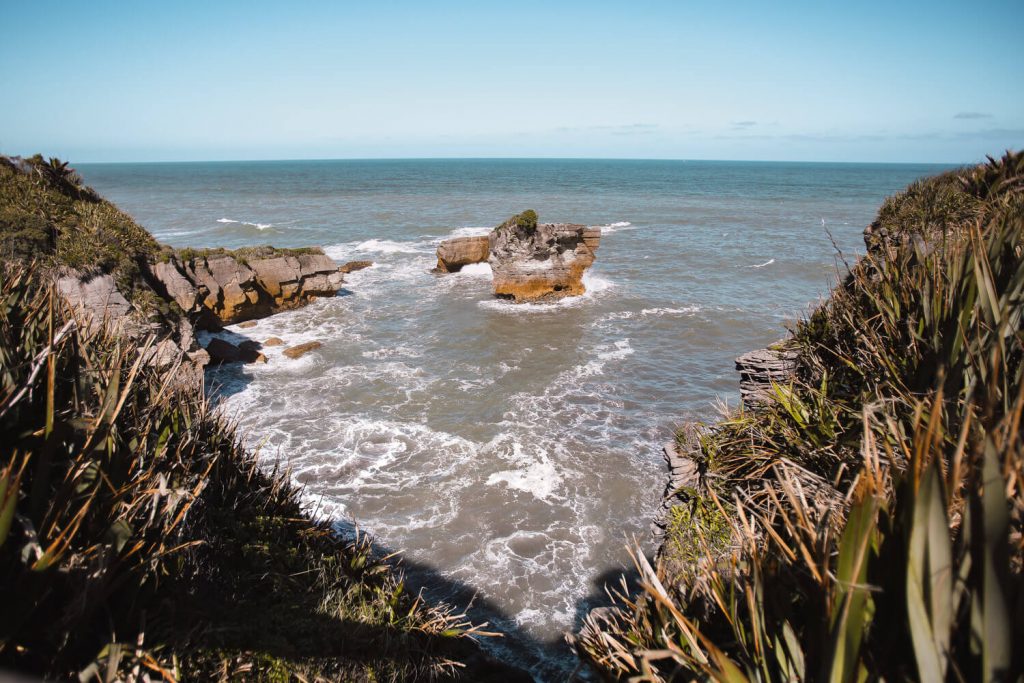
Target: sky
x,y
824,81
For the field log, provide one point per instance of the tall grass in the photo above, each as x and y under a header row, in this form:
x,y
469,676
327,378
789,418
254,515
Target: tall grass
x,y
875,504
138,539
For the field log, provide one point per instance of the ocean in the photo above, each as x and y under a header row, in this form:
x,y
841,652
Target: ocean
x,y
510,452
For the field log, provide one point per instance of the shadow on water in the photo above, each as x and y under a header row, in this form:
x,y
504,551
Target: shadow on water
x,y
545,660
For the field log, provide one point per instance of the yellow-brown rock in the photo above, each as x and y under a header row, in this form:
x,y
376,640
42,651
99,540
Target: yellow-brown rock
x,y
455,253
536,261
300,350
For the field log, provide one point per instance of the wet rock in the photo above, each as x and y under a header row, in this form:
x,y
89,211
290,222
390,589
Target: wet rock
x,y
249,352
300,350
222,351
273,341
533,261
455,253
758,369
248,324
353,266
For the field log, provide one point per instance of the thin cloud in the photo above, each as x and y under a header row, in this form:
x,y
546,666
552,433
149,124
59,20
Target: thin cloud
x,y
971,115
743,124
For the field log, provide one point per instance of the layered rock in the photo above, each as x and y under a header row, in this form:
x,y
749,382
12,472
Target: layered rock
x,y
533,261
455,253
759,369
225,289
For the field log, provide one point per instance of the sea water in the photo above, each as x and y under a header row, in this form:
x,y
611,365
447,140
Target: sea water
x,y
510,452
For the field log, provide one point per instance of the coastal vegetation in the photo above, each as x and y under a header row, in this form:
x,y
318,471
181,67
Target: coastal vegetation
x,y
138,539
864,520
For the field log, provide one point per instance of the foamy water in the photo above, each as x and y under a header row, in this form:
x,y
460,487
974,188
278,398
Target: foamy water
x,y
508,450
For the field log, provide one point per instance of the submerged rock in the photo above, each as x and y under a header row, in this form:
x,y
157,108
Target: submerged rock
x,y
455,253
533,261
274,341
300,350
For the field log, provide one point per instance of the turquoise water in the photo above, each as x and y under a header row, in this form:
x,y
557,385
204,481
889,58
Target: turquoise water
x,y
509,451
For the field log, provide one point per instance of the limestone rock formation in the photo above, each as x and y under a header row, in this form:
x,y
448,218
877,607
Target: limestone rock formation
x,y
222,288
95,297
353,266
300,350
455,253
534,261
758,369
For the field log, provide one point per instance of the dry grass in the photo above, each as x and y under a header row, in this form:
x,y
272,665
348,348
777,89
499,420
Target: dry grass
x,y
875,505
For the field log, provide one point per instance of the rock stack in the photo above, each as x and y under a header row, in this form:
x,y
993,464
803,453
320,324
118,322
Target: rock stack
x,y
534,261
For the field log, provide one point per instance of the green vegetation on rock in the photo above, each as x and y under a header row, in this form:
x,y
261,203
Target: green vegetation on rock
x,y
525,221
47,214
137,535
875,504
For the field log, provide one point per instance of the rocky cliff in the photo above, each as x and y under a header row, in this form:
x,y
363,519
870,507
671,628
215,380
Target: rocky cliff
x,y
229,288
114,273
533,261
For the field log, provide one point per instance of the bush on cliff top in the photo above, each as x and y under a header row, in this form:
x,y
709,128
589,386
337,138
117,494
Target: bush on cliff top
x,y
876,503
525,221
46,213
136,535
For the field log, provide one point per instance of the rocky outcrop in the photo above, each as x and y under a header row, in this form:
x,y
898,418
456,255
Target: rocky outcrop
x,y
95,298
534,261
353,266
684,477
225,289
455,253
759,369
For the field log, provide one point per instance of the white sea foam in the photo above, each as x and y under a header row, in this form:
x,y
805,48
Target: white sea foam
x,y
762,265
476,270
258,226
616,227
534,473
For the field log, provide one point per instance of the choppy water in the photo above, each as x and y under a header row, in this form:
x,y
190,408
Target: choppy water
x,y
509,450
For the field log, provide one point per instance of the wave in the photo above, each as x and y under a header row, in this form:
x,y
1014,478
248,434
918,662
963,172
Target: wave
x,y
619,226
258,226
762,265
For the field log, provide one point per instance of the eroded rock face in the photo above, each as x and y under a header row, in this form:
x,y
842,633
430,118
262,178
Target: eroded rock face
x,y
455,253
533,261
221,289
759,369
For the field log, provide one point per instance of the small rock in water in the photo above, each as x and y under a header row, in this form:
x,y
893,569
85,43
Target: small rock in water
x,y
300,350
222,352
247,324
274,341
455,253
353,266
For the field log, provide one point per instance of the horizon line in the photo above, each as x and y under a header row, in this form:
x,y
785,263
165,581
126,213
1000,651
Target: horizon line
x,y
524,158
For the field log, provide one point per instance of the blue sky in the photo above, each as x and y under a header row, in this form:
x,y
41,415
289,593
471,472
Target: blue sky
x,y
850,81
